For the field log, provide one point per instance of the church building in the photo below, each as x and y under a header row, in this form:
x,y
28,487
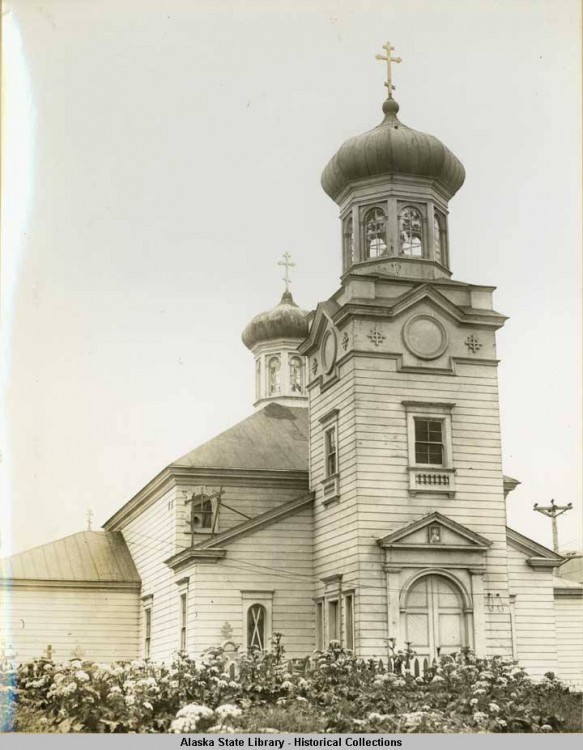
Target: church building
x,y
363,500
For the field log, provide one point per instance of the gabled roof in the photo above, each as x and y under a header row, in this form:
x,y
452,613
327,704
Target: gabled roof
x,y
274,438
399,537
88,556
213,548
540,556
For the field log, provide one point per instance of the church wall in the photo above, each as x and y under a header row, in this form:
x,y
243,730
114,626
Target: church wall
x,y
384,502
569,619
276,559
534,614
335,524
150,538
252,501
87,623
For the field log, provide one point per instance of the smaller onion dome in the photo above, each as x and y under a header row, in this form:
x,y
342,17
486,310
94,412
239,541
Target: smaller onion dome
x,y
285,321
392,148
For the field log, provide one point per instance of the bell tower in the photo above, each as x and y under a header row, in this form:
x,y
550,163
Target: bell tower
x,y
405,462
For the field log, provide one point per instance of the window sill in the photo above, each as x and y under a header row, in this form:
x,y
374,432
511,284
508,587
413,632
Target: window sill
x,y
330,489
427,479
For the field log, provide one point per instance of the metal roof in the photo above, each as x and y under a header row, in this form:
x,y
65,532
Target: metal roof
x,y
274,438
96,556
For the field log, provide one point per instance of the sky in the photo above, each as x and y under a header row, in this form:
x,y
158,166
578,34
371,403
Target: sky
x,y
159,158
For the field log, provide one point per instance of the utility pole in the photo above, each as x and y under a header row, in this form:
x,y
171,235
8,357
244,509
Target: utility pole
x,y
553,512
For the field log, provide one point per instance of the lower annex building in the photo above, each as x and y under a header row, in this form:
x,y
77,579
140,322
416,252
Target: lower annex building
x,y
363,501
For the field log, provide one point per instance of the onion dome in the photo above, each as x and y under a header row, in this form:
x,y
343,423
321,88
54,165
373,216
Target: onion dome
x,y
286,321
392,148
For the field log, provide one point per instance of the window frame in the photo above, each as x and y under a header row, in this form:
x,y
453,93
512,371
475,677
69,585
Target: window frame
x,y
348,246
249,599
147,605
290,362
277,392
422,211
427,444
320,624
364,212
430,478
183,589
330,453
349,641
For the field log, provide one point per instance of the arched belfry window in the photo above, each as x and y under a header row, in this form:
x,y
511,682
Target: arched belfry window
x,y
348,240
411,232
258,378
256,626
438,238
296,375
375,233
273,376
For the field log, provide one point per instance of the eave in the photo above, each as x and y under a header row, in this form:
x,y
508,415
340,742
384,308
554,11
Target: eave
x,y
538,556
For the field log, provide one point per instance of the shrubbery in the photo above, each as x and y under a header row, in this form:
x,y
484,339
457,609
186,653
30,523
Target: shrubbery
x,y
331,692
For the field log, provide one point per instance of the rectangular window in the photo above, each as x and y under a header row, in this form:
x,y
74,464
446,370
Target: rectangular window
x,y
319,626
331,452
147,631
349,620
429,441
183,618
333,621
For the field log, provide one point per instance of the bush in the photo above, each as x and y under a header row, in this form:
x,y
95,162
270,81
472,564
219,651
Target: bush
x,y
331,692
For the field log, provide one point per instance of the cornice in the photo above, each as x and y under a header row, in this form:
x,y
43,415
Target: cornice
x,y
175,476
193,555
525,545
38,584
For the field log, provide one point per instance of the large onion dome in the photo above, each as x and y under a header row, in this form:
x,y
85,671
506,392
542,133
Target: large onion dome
x,y
285,321
392,148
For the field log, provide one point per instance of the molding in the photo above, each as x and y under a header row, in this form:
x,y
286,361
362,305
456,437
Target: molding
x,y
478,542
329,415
174,476
147,599
183,581
332,578
543,562
420,405
33,583
560,591
524,544
258,523
192,555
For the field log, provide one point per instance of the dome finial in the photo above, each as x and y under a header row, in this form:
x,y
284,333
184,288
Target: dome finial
x,y
288,263
388,47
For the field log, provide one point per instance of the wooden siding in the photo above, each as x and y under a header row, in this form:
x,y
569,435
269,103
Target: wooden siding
x,y
374,482
569,619
534,614
150,538
87,623
278,559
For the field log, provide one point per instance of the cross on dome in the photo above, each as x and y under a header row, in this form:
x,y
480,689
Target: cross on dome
x,y
388,47
288,263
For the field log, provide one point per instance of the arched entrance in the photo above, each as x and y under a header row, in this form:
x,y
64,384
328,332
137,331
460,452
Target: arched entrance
x,y
433,617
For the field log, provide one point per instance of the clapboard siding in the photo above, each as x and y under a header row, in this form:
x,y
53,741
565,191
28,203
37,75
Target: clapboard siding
x,y
569,622
150,538
76,622
534,614
277,558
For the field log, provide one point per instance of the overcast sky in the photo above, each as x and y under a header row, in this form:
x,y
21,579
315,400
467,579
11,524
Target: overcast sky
x,y
161,156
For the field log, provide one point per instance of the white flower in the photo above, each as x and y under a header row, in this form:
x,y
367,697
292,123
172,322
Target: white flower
x,y
480,716
301,699
494,708
473,701
81,676
426,708
228,711
375,716
546,728
419,680
286,685
437,678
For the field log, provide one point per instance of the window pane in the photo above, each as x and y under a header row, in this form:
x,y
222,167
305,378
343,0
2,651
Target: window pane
x,y
410,232
421,430
296,375
333,621
436,238
349,620
256,627
319,626
375,233
435,454
273,376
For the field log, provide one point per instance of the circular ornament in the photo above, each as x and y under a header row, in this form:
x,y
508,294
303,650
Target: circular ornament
x,y
425,337
328,351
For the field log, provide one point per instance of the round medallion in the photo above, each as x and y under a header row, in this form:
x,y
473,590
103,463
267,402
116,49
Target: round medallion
x,y
425,337
328,351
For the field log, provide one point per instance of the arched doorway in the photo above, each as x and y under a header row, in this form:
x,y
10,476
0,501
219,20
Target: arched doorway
x,y
434,619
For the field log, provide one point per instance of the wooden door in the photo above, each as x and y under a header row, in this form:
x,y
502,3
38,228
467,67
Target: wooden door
x,y
434,618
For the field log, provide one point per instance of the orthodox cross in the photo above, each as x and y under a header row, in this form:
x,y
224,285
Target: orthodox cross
x,y
388,47
287,262
89,519
552,511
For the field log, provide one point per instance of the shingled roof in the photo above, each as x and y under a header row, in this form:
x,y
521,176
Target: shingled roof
x,y
275,438
88,556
